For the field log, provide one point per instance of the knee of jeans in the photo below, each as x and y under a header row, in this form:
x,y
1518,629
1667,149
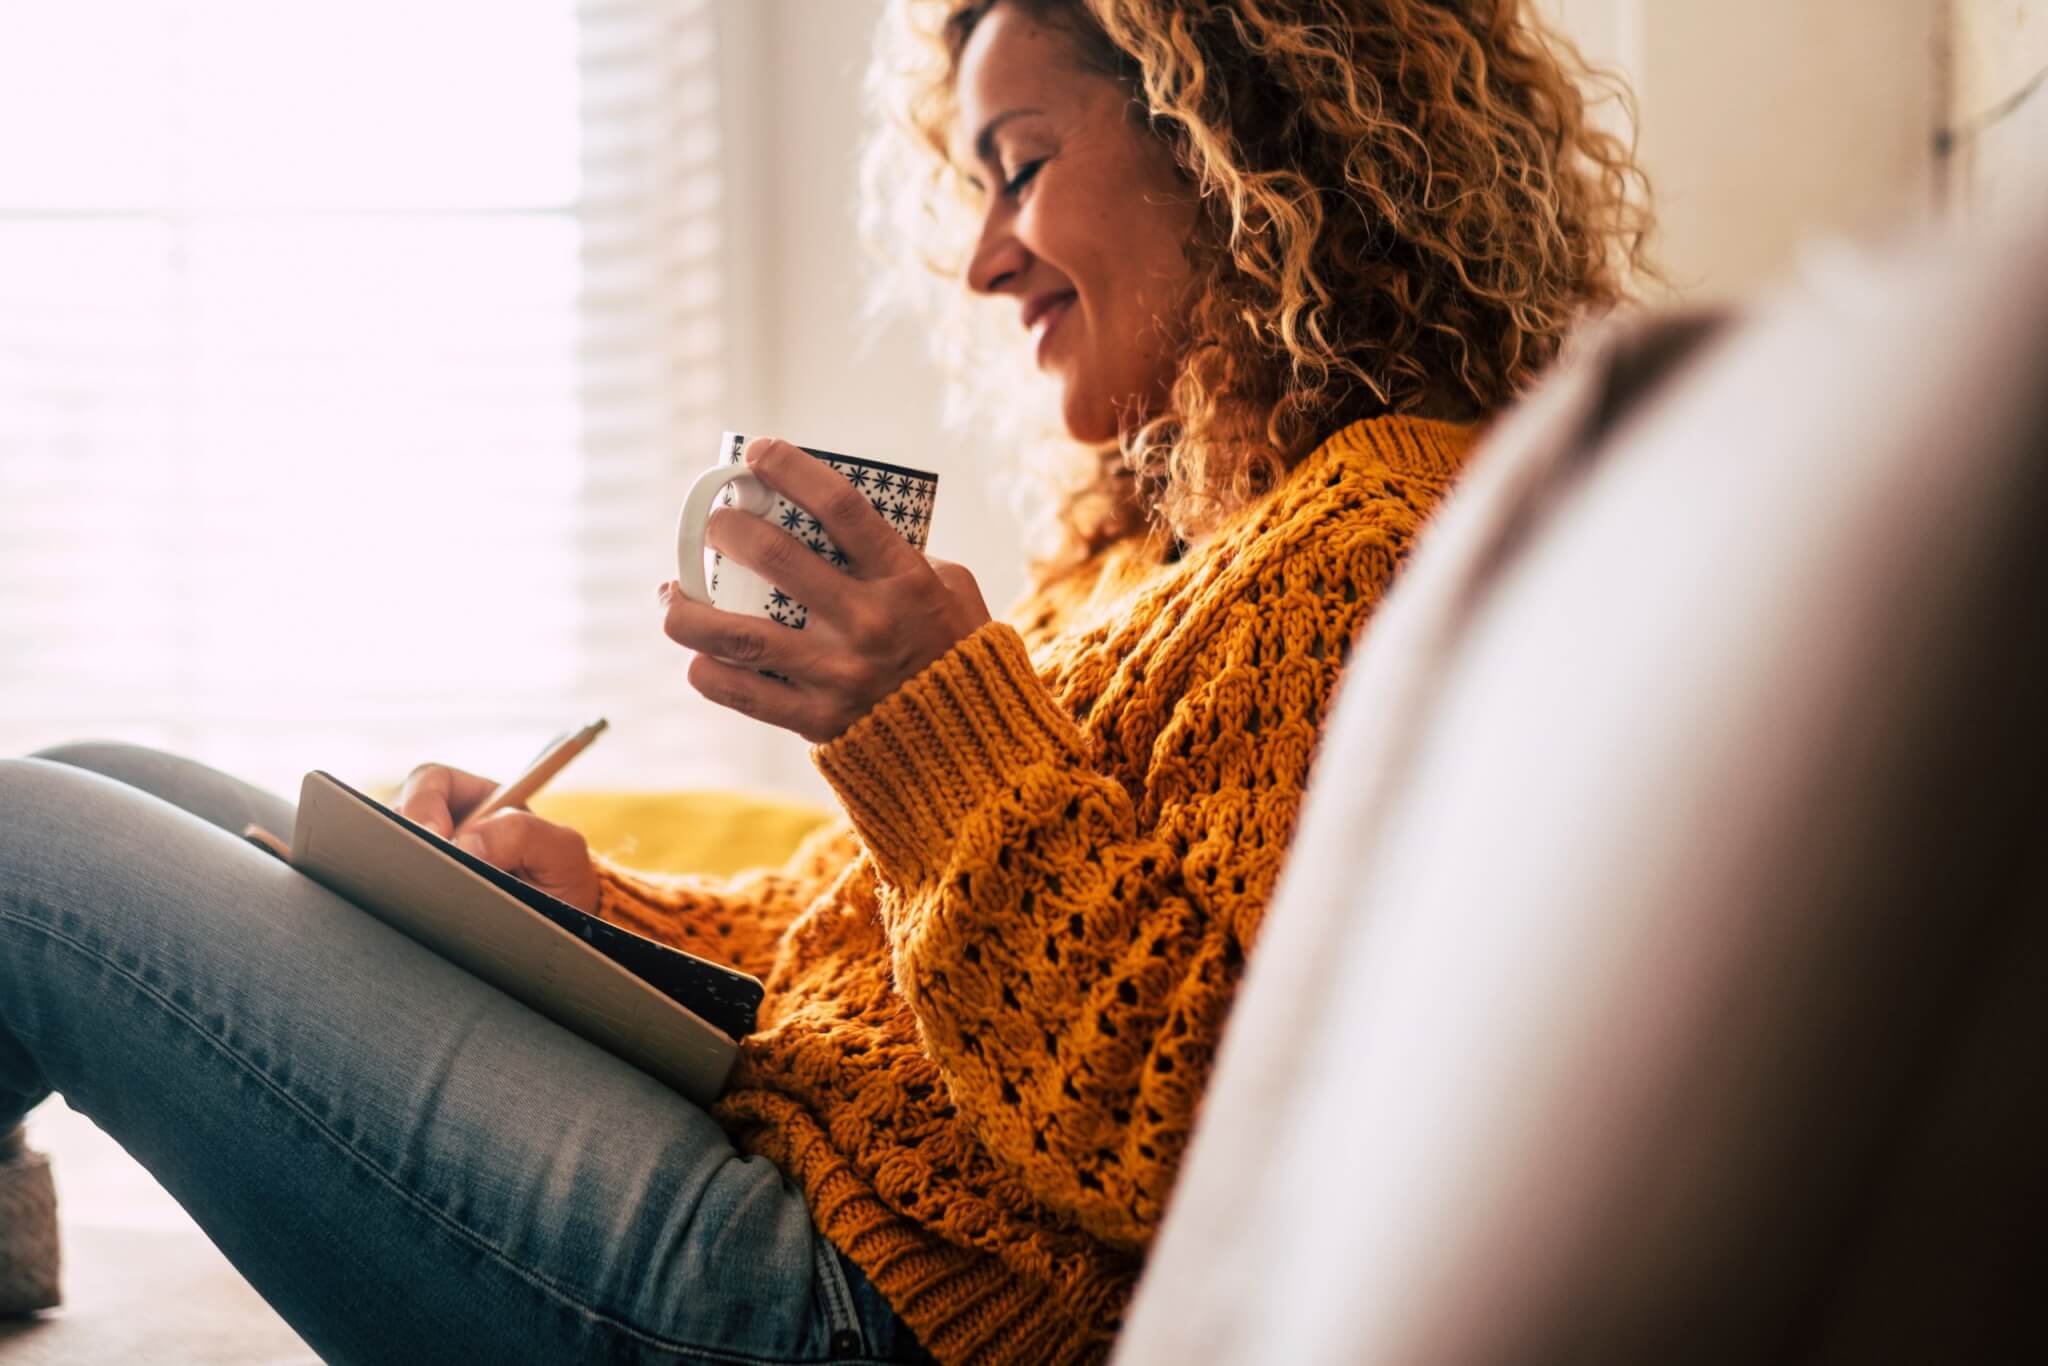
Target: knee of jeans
x,y
101,756
37,775
31,788
54,820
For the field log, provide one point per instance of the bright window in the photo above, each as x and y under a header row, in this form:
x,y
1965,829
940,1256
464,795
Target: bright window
x,y
352,357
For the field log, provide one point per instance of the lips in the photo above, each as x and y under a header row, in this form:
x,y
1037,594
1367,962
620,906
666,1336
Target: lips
x,y
1047,320
1042,305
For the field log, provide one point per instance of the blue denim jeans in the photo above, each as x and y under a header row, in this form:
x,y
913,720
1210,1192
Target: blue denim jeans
x,y
408,1164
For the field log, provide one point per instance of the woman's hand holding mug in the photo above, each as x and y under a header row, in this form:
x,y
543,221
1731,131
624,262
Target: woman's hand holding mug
x,y
552,857
827,625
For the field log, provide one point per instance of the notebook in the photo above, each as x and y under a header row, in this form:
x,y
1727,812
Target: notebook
x,y
672,1014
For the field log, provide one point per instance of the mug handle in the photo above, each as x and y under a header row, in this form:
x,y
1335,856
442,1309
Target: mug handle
x,y
752,496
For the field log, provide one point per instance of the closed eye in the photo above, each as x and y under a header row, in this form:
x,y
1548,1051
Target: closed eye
x,y
1023,176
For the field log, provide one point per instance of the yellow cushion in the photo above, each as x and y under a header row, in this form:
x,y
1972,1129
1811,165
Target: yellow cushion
x,y
716,833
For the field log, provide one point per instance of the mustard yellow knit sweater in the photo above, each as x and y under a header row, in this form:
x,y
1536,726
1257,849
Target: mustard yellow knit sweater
x,y
992,999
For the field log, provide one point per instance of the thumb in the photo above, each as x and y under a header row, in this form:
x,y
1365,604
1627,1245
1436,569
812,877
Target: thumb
x,y
959,581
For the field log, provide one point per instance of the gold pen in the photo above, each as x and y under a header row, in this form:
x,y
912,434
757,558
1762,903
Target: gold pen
x,y
551,761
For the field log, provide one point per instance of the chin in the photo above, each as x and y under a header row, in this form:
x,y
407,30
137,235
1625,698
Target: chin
x,y
1088,419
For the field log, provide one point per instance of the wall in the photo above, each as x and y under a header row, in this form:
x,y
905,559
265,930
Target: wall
x,y
1997,133
1765,124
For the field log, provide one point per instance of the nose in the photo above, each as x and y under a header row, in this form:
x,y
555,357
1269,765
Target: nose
x,y
999,258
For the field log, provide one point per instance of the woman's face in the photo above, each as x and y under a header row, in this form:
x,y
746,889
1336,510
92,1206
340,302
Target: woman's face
x,y
1084,217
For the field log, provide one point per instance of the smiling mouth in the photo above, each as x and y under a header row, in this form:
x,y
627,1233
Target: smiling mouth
x,y
1042,327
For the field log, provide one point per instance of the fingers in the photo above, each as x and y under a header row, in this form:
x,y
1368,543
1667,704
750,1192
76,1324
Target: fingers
x,y
755,642
552,857
518,841
778,557
829,676
809,712
870,543
436,796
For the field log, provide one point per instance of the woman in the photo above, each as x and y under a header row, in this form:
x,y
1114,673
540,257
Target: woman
x,y
1277,260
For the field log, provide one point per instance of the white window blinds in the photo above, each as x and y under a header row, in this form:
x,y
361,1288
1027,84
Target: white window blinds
x,y
353,358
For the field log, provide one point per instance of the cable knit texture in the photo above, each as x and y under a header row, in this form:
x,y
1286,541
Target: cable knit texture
x,y
994,992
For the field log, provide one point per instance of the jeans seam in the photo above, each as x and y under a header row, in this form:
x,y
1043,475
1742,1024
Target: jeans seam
x,y
840,1311
461,1231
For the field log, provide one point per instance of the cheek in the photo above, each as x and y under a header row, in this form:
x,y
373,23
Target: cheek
x,y
1152,277
1168,228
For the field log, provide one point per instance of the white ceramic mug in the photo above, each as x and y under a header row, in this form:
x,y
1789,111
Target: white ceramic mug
x,y
903,496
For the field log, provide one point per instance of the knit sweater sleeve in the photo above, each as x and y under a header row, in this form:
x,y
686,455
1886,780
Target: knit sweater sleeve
x,y
1069,945
736,921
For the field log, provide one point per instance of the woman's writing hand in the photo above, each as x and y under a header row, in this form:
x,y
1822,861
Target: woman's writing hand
x,y
872,626
552,857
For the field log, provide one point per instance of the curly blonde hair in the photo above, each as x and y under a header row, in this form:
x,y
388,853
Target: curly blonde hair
x,y
1404,207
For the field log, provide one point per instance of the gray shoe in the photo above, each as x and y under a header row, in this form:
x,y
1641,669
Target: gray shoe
x,y
28,1230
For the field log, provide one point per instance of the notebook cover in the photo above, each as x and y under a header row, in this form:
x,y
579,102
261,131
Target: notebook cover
x,y
670,1013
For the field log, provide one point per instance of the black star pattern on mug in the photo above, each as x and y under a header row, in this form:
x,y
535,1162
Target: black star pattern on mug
x,y
793,519
778,598
859,477
817,546
894,512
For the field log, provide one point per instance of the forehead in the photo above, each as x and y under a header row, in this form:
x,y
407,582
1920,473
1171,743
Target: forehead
x,y
1013,61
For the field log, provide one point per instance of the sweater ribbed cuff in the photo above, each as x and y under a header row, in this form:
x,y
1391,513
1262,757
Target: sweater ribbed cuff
x,y
937,748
